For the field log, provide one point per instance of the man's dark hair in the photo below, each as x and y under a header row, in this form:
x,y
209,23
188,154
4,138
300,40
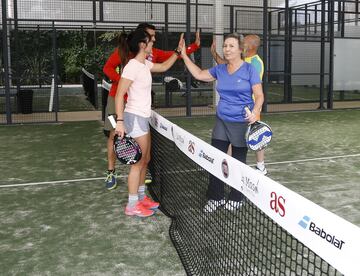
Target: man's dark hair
x,y
129,43
145,26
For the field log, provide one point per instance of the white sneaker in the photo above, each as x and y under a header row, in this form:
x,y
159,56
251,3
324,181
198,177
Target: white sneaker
x,y
263,171
212,205
233,205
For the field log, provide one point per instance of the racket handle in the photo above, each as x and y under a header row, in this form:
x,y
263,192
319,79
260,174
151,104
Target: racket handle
x,y
112,121
247,110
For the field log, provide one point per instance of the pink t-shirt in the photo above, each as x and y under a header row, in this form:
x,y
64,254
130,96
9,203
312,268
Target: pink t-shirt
x,y
139,93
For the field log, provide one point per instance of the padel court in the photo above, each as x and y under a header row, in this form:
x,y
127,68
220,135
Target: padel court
x,y
73,225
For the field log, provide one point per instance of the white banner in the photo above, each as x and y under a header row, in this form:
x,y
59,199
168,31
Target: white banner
x,y
334,239
162,125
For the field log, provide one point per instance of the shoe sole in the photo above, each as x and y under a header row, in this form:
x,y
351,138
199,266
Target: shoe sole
x,y
260,171
208,209
139,215
233,208
112,187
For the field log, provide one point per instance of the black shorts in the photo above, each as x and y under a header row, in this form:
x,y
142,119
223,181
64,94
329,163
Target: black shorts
x,y
232,132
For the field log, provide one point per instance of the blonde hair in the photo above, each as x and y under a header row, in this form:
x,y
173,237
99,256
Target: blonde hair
x,y
240,39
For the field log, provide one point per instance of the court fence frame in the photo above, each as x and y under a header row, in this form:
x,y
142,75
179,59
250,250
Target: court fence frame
x,y
288,33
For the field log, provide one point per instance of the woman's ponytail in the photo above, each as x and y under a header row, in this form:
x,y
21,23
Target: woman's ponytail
x,y
123,49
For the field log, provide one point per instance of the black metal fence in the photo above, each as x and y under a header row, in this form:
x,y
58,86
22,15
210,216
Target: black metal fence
x,y
45,45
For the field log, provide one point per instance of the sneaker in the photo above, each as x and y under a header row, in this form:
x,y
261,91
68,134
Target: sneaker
x,y
263,171
148,203
232,205
110,180
139,210
212,205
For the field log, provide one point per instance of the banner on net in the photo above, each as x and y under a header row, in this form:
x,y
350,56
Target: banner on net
x,y
334,239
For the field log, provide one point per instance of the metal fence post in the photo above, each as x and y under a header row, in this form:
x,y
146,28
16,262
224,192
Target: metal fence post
x,y
188,75
287,94
6,61
265,52
330,97
55,71
322,55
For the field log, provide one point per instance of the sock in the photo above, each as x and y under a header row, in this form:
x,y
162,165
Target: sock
x,y
111,171
133,199
261,165
141,192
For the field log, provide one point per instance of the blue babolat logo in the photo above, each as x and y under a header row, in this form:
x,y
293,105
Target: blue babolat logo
x,y
321,232
304,222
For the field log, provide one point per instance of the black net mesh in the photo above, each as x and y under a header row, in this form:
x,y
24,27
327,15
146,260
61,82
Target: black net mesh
x,y
240,242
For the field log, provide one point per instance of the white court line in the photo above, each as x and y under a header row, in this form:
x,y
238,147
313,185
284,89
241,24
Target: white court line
x,y
313,159
124,176
56,182
294,97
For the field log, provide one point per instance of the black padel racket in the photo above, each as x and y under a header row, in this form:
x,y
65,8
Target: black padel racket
x,y
126,149
258,134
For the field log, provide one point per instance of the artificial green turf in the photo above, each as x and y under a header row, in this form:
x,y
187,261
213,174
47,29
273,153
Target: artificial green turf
x,y
78,228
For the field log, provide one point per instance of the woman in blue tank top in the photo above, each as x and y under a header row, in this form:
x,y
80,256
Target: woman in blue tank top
x,y
237,83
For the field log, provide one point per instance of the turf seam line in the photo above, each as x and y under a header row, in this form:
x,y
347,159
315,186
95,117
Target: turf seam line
x,y
56,182
312,159
125,176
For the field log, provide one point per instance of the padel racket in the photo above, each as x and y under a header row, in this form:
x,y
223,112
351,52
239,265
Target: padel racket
x,y
258,134
126,149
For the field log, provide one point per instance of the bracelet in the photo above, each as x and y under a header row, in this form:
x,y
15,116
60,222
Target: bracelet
x,y
177,51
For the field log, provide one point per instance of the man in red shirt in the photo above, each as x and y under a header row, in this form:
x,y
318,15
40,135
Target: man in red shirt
x,y
111,70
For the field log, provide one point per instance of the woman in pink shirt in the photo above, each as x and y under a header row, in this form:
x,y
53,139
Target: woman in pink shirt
x,y
133,118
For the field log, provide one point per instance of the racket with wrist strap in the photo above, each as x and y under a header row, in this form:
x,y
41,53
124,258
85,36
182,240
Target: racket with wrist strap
x,y
126,149
258,135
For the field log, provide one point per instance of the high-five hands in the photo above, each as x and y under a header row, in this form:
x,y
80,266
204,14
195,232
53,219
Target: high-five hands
x,y
197,38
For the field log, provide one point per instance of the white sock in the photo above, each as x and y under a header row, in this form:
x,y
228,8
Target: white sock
x,y
133,199
261,165
141,192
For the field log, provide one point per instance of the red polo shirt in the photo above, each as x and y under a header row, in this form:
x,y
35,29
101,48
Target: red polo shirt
x,y
157,56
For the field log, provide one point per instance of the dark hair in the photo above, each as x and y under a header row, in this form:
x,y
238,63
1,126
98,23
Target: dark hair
x,y
145,26
129,43
123,49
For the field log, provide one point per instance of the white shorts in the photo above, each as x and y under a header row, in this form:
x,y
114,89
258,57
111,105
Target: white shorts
x,y
135,125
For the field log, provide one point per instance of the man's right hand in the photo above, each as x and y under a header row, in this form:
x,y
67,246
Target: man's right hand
x,y
197,38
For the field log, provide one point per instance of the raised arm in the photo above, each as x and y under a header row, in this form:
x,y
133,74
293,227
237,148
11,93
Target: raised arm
x,y
161,55
218,59
197,72
162,67
122,88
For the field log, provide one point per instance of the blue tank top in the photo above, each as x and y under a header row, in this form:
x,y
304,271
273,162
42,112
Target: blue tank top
x,y
235,91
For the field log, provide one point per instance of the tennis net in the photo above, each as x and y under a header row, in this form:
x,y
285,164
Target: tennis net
x,y
275,231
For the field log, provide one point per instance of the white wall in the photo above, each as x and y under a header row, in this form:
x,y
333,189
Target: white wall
x,y
346,64
306,59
